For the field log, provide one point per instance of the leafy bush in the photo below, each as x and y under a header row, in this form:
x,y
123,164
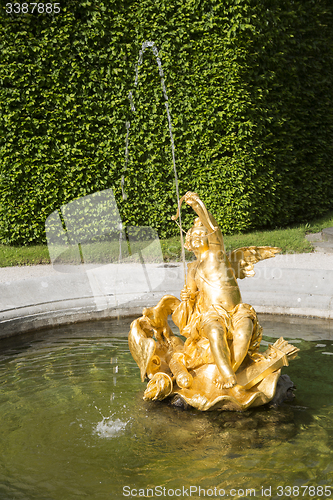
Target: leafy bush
x,y
250,91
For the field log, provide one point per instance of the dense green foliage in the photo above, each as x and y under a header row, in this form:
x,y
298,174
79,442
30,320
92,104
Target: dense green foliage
x,y
250,86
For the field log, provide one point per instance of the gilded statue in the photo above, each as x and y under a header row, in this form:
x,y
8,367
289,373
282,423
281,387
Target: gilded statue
x,y
219,364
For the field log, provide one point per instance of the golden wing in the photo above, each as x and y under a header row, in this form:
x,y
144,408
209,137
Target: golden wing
x,y
243,259
141,345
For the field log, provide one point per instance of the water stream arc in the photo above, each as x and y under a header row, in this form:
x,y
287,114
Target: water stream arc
x,y
152,46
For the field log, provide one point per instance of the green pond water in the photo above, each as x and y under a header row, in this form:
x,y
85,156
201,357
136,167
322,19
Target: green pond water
x,y
74,425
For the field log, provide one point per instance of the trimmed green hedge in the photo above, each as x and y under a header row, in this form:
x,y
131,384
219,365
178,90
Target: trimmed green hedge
x,y
250,92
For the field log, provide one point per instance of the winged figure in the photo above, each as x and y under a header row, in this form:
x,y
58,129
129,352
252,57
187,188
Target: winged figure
x,y
222,333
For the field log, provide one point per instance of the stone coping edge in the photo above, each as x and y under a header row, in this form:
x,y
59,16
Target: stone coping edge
x,y
32,319
58,299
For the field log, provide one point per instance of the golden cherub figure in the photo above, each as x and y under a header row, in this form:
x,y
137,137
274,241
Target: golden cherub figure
x,y
219,364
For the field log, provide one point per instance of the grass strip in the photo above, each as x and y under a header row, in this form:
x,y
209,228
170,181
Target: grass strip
x,y
290,240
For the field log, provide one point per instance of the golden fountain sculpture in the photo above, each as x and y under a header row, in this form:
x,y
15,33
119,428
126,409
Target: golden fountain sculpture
x,y
218,366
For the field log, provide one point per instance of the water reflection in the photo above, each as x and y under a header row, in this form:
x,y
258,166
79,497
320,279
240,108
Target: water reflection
x,y
74,424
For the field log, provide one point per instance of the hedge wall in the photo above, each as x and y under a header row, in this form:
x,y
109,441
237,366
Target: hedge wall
x,y
250,92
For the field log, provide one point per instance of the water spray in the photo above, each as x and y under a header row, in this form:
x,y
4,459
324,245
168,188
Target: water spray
x,y
153,47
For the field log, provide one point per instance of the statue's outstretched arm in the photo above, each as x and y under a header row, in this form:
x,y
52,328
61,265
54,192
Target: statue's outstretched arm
x,y
207,219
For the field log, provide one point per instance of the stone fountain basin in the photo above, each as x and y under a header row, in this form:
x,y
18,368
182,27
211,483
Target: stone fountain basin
x,y
74,425
39,296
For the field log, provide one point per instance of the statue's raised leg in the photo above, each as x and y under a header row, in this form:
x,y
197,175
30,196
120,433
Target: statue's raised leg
x,y
241,338
217,335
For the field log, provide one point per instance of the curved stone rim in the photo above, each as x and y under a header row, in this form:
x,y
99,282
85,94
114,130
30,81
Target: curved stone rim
x,y
281,287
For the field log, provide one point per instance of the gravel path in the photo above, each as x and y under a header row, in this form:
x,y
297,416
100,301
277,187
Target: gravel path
x,y
15,273
316,260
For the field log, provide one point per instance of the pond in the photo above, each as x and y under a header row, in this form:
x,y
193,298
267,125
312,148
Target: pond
x,y
74,425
